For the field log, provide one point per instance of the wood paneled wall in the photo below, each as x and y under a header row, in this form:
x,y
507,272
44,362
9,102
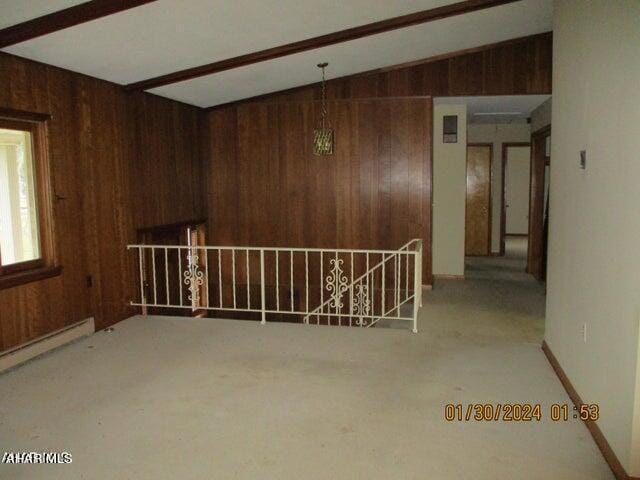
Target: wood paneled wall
x,y
266,188
122,161
515,67
118,162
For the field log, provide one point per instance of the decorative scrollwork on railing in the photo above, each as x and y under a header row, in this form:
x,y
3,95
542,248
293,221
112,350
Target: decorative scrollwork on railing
x,y
361,322
193,278
336,283
361,304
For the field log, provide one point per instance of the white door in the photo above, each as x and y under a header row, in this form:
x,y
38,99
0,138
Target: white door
x,y
517,178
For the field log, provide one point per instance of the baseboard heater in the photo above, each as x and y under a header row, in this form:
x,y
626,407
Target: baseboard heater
x,y
15,356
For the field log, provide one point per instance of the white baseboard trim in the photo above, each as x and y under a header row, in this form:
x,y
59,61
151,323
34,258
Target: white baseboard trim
x,y
15,356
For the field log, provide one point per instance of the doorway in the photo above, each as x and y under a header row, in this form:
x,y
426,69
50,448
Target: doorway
x,y
516,179
539,202
478,200
481,183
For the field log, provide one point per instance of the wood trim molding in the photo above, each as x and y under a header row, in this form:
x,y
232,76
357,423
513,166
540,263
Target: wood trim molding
x,y
171,226
447,277
25,116
503,189
537,204
66,18
542,130
29,276
341,36
602,443
46,265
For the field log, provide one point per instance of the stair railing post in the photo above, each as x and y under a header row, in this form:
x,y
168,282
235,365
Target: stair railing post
x,y
262,289
143,280
417,285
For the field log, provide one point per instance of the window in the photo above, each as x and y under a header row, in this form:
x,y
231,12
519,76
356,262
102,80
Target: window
x,y
26,251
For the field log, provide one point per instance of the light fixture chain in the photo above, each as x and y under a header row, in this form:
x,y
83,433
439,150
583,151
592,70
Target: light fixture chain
x,y
324,96
323,136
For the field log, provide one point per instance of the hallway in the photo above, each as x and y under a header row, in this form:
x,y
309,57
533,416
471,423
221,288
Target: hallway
x,y
511,266
486,332
497,300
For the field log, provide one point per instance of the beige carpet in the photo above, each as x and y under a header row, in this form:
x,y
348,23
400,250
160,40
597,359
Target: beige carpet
x,y
509,267
175,398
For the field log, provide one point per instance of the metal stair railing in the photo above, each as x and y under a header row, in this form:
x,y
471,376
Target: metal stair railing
x,y
348,287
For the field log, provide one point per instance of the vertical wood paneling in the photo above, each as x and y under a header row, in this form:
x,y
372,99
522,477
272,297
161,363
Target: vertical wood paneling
x,y
499,70
123,161
376,190
372,193
466,74
118,162
516,67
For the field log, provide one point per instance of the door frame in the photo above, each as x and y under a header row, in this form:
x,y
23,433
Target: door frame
x,y
466,163
503,210
539,161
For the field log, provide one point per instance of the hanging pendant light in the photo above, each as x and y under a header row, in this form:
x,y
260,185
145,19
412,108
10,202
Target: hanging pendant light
x,y
323,138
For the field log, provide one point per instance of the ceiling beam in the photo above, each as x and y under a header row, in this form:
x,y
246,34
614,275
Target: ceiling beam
x,y
341,36
390,68
82,13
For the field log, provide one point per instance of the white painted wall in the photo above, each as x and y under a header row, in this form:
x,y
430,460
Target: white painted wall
x,y
594,238
497,134
449,193
517,179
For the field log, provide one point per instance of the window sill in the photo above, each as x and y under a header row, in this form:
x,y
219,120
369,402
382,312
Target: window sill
x,y
15,279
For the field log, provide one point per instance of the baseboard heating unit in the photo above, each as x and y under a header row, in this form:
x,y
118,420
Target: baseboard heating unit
x,y
15,356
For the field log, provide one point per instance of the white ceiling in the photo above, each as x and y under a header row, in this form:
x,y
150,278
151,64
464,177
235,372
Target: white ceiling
x,y
498,109
168,35
18,11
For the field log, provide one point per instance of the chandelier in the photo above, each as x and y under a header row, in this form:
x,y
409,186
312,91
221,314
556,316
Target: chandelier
x,y
323,138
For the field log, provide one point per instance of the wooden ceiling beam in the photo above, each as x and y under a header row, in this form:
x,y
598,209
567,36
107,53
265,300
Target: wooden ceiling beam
x,y
390,68
53,22
349,34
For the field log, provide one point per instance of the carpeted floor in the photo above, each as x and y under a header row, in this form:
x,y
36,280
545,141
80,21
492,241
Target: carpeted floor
x,y
509,267
166,397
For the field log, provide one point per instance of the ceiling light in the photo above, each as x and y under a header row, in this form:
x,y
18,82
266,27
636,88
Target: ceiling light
x,y
323,137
